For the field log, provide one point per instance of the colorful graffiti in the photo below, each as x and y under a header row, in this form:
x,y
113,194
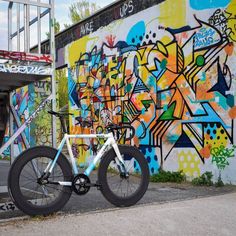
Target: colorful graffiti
x,y
21,102
34,122
174,85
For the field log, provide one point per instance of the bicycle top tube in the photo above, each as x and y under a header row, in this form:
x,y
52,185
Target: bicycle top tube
x,y
109,135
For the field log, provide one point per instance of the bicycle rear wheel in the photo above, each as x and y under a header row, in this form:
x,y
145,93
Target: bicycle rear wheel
x,y
119,188
28,193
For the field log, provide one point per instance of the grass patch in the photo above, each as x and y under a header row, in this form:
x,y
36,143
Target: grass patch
x,y
168,176
179,177
203,180
7,158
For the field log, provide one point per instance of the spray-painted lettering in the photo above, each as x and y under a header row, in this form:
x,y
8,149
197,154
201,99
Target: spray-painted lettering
x,y
23,56
126,9
8,206
87,28
37,70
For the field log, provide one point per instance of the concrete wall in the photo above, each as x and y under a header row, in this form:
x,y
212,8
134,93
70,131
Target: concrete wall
x,y
168,70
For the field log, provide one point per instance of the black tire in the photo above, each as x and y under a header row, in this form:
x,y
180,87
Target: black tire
x,y
139,174
28,195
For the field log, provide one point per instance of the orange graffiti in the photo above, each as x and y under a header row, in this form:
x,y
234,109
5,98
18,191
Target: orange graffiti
x,y
206,151
232,112
229,49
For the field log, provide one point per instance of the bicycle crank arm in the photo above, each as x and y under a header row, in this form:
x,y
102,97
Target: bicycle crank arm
x,y
93,185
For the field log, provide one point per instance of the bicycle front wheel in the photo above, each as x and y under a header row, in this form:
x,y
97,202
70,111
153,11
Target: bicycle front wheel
x,y
35,197
119,188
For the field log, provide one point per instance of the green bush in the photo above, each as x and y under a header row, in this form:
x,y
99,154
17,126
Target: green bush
x,y
204,179
168,176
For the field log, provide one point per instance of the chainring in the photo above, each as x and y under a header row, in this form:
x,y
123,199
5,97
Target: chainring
x,y
80,184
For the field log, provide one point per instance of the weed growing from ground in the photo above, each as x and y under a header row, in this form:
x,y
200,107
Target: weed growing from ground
x,y
168,176
219,182
203,180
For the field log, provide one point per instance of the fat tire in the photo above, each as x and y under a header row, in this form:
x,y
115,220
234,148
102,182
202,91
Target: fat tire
x,y
14,176
102,176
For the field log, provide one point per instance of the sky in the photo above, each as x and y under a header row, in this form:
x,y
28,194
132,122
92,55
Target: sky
x,y
61,14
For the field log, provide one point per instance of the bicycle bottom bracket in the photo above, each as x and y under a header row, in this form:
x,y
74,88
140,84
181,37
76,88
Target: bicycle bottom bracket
x,y
81,184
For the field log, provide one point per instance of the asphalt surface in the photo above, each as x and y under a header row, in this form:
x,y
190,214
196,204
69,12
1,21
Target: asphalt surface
x,y
203,216
4,168
93,201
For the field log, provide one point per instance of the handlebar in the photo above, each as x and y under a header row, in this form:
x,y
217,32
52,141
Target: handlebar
x,y
84,123
112,127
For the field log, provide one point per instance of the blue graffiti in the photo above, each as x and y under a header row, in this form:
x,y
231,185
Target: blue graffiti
x,y
151,157
206,4
136,34
205,37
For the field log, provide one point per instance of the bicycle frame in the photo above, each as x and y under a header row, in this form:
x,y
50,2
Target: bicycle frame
x,y
66,139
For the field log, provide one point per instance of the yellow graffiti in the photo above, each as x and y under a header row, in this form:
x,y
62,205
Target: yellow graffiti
x,y
189,163
231,23
77,48
170,16
220,139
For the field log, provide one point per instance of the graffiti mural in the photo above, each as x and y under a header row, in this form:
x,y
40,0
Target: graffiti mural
x,y
30,104
21,104
173,81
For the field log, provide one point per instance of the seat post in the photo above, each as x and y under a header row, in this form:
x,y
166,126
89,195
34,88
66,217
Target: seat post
x,y
63,124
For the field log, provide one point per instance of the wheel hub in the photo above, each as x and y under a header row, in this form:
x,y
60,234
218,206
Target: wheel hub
x,y
124,175
42,181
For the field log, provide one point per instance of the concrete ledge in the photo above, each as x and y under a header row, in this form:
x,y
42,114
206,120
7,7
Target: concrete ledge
x,y
3,192
3,189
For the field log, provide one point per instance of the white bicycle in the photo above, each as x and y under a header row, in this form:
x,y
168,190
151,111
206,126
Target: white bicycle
x,y
41,179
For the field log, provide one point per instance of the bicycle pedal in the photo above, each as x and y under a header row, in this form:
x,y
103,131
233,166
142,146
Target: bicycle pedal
x,y
98,186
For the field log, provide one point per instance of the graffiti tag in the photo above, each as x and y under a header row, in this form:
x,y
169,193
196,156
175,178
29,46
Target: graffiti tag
x,y
23,56
42,87
221,155
37,70
225,22
7,206
204,38
126,8
219,20
86,28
